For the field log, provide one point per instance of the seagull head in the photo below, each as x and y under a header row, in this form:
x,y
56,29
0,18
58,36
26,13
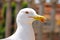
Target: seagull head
x,y
28,15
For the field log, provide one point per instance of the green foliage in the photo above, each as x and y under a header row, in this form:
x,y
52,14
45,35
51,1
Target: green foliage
x,y
24,4
2,31
13,5
4,10
13,9
2,25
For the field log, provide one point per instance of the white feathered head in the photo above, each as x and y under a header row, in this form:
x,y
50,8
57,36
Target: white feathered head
x,y
29,15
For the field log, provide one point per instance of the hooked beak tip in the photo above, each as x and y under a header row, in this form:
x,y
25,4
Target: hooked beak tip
x,y
40,18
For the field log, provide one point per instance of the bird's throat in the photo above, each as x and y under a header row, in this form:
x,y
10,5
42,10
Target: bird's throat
x,y
25,32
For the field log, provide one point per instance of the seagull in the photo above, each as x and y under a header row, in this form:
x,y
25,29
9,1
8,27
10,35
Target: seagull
x,y
24,21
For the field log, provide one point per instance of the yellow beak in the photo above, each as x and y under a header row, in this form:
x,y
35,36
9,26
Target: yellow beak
x,y
40,18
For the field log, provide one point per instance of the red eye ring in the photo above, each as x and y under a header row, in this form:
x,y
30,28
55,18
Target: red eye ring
x,y
27,12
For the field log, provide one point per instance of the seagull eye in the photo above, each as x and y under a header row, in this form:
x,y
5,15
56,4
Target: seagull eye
x,y
27,12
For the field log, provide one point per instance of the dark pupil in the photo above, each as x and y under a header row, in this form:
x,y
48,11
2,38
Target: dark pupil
x,y
27,12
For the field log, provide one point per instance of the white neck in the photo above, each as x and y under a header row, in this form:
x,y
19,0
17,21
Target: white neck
x,y
24,32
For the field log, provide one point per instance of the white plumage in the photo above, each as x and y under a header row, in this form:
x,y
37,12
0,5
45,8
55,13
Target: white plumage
x,y
24,20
